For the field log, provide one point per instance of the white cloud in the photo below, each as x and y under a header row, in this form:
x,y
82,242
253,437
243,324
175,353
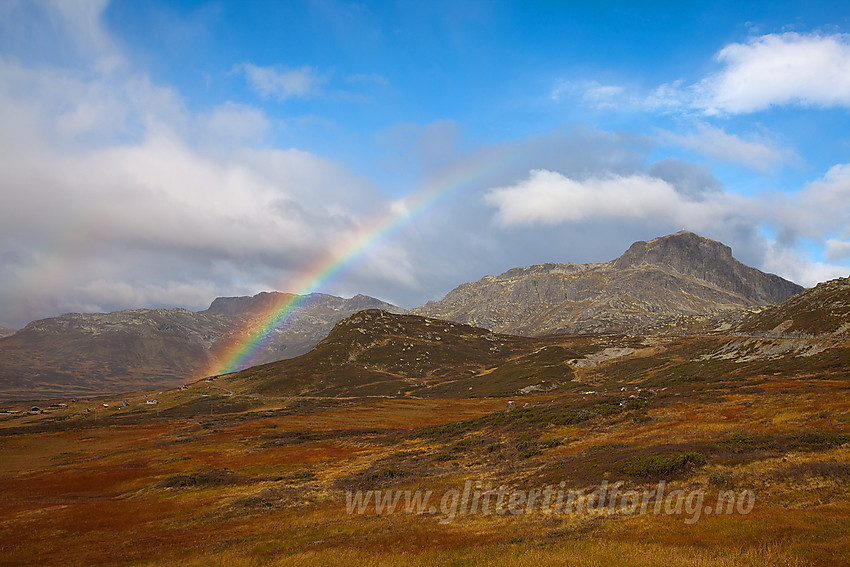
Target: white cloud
x,y
790,69
232,124
284,83
837,249
798,267
32,29
548,197
820,210
776,70
81,20
715,143
816,212
593,93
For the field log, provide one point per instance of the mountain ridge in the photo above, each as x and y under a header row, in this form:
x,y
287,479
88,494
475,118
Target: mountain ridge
x,y
89,353
654,284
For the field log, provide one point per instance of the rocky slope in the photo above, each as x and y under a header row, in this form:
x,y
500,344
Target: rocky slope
x,y
377,353
82,354
810,324
6,331
654,285
819,311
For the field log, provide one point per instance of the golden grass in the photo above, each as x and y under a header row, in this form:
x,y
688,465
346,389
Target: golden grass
x,y
96,495
598,553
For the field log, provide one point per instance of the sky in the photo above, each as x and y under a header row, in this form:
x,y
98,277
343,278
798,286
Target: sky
x,y
162,154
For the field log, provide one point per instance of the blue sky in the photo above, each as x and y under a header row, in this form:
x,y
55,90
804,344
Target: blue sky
x,y
491,67
164,153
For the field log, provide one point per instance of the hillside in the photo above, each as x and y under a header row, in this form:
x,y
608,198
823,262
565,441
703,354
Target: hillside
x,y
821,310
811,330
6,331
378,353
654,286
85,354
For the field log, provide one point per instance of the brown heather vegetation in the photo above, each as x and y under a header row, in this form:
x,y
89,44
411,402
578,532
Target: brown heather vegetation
x,y
252,468
267,487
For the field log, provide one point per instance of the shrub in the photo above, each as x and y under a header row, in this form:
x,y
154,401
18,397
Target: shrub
x,y
215,477
821,439
389,472
742,442
530,452
660,465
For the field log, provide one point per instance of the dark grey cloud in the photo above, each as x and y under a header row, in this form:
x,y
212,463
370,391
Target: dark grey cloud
x,y
691,180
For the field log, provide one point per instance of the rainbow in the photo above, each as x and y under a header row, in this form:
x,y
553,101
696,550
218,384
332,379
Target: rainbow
x,y
247,344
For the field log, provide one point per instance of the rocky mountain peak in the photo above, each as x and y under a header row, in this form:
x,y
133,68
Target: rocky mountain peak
x,y
710,261
685,252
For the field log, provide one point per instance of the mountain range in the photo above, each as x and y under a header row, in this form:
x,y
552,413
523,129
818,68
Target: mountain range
x,y
84,354
664,285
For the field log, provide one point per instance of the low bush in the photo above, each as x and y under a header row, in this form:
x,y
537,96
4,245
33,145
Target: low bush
x,y
217,477
821,439
660,465
743,442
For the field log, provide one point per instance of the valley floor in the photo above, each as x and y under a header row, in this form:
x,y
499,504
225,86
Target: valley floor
x,y
272,484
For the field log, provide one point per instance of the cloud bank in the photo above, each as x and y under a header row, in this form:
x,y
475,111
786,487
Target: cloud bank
x,y
117,195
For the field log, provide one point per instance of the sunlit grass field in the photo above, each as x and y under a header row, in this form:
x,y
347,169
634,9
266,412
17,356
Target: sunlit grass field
x,y
267,487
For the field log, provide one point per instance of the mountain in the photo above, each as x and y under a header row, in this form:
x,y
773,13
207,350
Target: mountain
x,y
85,354
376,353
6,331
653,286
